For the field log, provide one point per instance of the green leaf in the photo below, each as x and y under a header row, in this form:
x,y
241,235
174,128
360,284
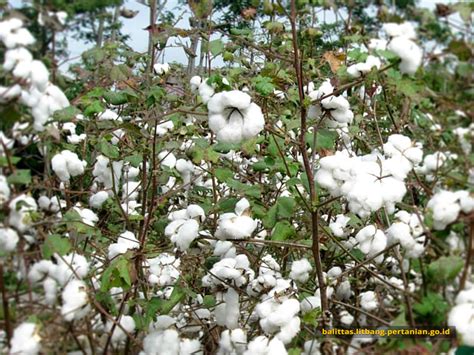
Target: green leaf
x,y
119,72
216,47
66,114
209,301
116,98
55,244
117,274
223,174
283,231
94,108
135,159
264,85
432,308
285,206
445,269
325,139
177,296
271,217
109,150
20,177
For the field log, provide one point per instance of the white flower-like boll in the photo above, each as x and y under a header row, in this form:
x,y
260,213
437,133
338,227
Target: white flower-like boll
x,y
368,301
67,164
75,301
161,69
372,241
300,270
461,316
126,241
233,117
184,226
236,225
25,340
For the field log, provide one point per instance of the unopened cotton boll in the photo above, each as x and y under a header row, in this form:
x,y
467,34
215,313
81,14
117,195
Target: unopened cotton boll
x,y
126,241
300,270
25,340
75,301
368,301
8,239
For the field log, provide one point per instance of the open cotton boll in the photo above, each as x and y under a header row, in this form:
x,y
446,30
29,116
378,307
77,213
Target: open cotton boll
x,y
182,232
167,159
205,91
377,44
8,239
232,342
300,270
39,75
126,241
164,270
236,225
15,56
280,318
461,316
409,52
186,169
98,199
368,301
356,70
25,340
12,34
103,172
233,117
164,128
4,189
20,209
10,92
404,29
119,335
445,207
161,69
195,82
88,216
67,164
161,343
372,241
346,318
75,301
337,227
131,190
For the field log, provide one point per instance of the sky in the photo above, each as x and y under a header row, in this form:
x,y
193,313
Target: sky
x,y
139,38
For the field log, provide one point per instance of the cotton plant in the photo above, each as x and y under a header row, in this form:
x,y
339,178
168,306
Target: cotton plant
x,y
300,270
233,117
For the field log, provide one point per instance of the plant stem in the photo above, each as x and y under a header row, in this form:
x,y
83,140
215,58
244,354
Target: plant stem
x,y
316,248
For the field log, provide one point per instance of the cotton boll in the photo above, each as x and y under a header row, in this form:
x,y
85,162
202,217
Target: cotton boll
x,y
445,207
39,75
195,82
235,227
186,169
8,239
4,189
309,303
75,301
205,91
161,69
346,318
371,241
164,128
311,347
119,335
98,199
343,291
88,216
167,159
186,234
190,347
126,241
254,121
67,164
409,52
300,270
461,316
131,190
164,270
25,340
20,209
368,301
161,343
15,56
9,93
232,342
337,227
404,29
